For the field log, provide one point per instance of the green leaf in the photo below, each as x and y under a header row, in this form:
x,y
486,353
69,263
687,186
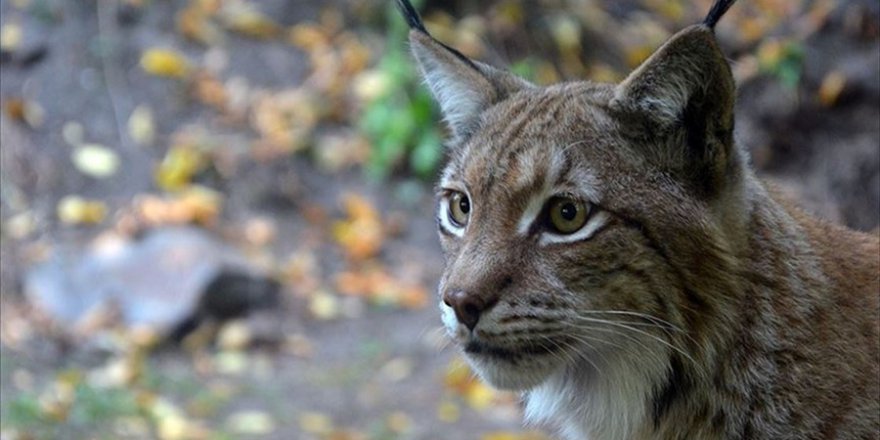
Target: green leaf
x,y
427,153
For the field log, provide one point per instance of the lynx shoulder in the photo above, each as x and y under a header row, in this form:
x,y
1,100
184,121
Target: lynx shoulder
x,y
611,255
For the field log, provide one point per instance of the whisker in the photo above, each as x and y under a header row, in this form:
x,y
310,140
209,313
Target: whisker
x,y
644,333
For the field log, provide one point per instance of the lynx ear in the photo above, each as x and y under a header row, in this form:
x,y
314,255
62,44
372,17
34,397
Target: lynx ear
x,y
687,90
463,88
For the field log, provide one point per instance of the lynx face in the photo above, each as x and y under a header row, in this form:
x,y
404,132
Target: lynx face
x,y
570,213
543,272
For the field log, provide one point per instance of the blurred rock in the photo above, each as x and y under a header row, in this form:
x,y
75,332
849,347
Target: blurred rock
x,y
169,280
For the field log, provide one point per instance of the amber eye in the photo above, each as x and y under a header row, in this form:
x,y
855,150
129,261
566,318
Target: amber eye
x,y
566,215
459,208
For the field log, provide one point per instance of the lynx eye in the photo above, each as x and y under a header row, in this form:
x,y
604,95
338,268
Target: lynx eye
x,y
566,215
459,208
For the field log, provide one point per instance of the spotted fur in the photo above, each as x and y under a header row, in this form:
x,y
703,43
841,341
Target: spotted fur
x,y
699,304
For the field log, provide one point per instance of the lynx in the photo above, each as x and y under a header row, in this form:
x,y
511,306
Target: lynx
x,y
611,255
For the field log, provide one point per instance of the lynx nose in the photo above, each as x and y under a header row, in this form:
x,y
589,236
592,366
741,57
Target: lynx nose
x,y
468,308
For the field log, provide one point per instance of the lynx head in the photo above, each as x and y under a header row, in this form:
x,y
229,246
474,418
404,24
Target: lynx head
x,y
576,218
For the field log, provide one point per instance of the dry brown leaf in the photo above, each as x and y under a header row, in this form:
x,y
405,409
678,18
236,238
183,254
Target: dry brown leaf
x,y
832,86
361,234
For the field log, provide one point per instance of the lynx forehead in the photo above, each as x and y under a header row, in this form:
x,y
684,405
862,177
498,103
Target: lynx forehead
x,y
610,254
524,161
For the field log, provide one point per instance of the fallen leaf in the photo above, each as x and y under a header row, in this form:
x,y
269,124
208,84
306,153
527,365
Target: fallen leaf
x,y
164,62
396,369
259,231
251,423
831,88
11,36
77,210
14,108
448,412
361,234
399,422
463,382
199,204
141,126
95,160
234,335
315,423
20,225
194,22
178,167
251,23
324,306
211,91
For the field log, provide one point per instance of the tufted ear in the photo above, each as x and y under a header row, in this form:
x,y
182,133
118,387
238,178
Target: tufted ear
x,y
464,88
686,91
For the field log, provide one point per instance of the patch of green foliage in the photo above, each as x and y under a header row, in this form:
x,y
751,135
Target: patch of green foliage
x,y
787,66
401,123
90,407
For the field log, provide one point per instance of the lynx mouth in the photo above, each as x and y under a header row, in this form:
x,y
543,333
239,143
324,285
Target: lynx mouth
x,y
510,354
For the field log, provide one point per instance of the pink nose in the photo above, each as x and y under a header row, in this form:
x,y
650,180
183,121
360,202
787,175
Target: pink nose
x,y
468,308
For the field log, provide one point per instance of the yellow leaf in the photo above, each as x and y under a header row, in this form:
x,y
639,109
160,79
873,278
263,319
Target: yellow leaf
x,y
178,167
77,210
252,24
164,62
95,160
480,396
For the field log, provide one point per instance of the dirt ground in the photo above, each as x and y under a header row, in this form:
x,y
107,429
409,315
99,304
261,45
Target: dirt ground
x,y
327,364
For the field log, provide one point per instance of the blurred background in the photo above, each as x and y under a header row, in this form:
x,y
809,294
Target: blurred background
x,y
217,214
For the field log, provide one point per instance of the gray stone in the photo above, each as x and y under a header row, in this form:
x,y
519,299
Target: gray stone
x,y
168,278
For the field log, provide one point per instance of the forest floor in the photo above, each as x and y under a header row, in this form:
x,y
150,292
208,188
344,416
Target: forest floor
x,y
245,120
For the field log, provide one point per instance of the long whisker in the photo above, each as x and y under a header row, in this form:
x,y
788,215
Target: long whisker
x,y
667,326
646,350
653,319
641,332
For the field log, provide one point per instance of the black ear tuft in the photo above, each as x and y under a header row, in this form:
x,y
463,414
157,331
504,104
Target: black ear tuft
x,y
717,11
412,17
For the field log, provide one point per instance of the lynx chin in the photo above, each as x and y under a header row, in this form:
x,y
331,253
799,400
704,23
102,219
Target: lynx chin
x,y
611,255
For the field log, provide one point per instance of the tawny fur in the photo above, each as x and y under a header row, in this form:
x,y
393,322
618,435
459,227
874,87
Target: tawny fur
x,y
701,304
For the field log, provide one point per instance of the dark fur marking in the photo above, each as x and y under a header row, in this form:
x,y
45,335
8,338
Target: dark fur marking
x,y
719,420
678,385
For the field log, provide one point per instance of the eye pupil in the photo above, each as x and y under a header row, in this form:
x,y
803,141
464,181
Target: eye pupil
x,y
459,207
568,211
465,205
